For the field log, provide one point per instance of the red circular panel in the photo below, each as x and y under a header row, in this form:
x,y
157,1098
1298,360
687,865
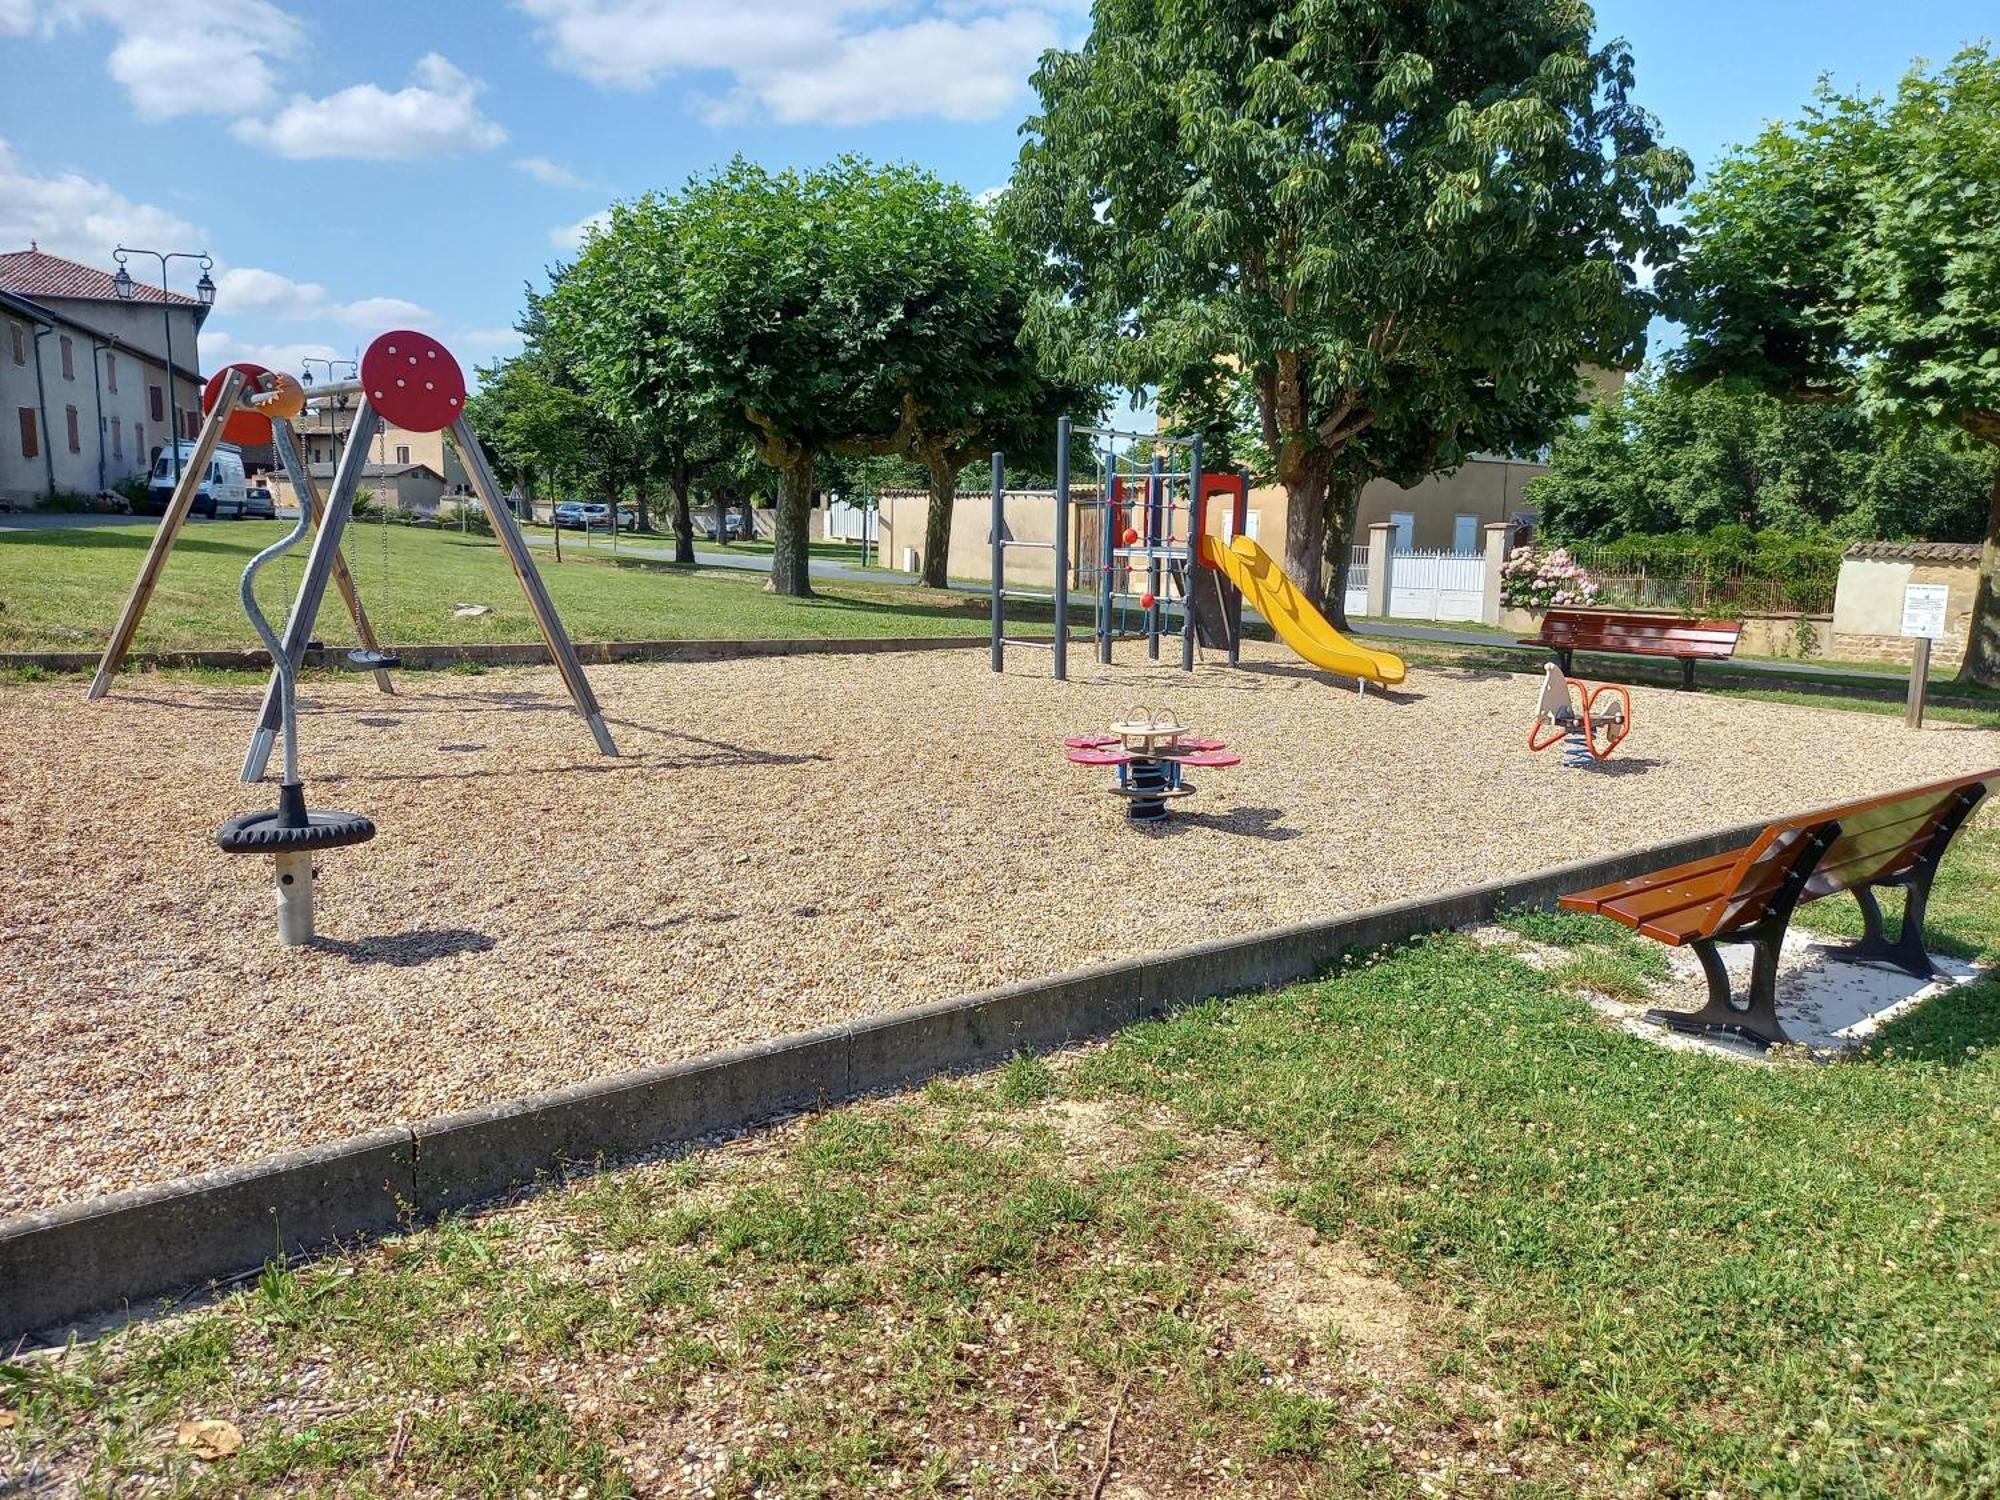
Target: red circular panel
x,y
413,381
246,428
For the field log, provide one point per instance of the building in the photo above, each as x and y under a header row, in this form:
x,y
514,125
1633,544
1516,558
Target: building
x,y
85,396
416,471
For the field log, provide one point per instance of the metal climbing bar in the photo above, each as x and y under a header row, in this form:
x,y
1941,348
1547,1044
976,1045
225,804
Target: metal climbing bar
x,y
1058,596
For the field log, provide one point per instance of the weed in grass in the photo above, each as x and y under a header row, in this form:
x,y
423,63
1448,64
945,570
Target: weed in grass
x,y
1025,1079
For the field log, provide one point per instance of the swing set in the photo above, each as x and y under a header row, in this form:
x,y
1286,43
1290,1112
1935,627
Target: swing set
x,y
411,381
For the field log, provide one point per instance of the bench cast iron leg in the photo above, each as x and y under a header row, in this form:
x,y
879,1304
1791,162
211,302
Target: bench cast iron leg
x,y
1564,660
1755,1018
1906,951
1687,674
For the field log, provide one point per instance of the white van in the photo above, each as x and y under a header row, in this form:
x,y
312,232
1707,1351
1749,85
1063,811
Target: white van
x,y
222,491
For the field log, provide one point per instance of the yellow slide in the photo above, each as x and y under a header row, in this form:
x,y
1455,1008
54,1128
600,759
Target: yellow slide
x,y
1298,624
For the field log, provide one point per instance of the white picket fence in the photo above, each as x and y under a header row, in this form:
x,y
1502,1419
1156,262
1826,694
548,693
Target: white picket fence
x,y
1357,581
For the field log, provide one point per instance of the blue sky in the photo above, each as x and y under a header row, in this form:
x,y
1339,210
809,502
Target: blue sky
x,y
357,166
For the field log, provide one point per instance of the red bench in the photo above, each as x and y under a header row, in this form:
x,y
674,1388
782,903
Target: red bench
x,y
1568,631
1748,895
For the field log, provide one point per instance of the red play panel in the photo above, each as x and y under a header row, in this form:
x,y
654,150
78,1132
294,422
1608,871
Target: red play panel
x,y
1210,758
412,380
246,428
1099,757
1089,741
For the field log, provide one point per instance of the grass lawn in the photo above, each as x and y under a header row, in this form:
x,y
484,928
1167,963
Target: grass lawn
x,y
62,589
1423,1226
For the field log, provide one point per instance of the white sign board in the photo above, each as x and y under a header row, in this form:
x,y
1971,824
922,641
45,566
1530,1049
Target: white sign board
x,y
1924,608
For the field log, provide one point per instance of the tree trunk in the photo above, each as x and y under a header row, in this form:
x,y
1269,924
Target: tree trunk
x,y
1343,508
1982,650
937,520
1305,528
790,548
683,523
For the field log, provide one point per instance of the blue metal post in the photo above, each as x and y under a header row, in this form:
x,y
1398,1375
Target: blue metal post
x,y
1188,563
1062,548
1155,498
1000,553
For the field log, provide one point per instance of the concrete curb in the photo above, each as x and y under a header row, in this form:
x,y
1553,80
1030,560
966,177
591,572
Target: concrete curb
x,y
174,1237
507,654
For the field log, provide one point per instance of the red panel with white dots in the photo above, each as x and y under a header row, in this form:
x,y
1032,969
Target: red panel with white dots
x,y
412,380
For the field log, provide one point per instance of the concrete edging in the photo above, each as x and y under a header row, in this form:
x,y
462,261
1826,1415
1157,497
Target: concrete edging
x,y
507,653
168,1238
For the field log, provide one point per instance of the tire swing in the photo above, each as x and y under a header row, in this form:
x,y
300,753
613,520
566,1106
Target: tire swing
x,y
290,833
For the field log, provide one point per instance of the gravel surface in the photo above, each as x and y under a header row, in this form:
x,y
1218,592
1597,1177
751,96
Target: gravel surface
x,y
786,843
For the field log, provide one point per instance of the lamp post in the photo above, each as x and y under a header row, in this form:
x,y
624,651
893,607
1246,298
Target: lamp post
x,y
204,289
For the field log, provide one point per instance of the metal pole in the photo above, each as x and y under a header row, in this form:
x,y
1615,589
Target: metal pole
x,y
312,586
1062,557
1155,496
1920,672
1188,562
343,577
997,537
508,530
1239,519
1107,620
163,539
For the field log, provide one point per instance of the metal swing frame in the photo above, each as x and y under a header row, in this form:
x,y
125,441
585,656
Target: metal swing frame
x,y
330,516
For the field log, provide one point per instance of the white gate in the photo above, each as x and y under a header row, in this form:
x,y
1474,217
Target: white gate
x,y
1436,585
1357,582
847,522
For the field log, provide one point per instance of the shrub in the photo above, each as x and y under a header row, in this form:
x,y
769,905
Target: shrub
x,y
465,517
1533,579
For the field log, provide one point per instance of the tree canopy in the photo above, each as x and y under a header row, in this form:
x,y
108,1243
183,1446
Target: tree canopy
x,y
1403,225
1854,256
1664,456
853,309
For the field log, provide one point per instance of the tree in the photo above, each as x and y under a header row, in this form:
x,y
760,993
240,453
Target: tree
x,y
1855,257
806,310
1404,224
1665,456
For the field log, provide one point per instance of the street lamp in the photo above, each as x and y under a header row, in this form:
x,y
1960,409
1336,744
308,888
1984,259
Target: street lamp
x,y
204,289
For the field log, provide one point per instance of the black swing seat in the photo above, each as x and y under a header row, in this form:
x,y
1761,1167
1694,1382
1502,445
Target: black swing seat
x,y
373,661
290,826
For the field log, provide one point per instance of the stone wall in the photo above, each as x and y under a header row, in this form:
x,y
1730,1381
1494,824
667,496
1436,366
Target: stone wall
x,y
1779,635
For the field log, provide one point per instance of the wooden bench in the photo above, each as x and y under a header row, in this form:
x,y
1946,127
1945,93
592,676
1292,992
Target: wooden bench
x,y
1568,631
1747,895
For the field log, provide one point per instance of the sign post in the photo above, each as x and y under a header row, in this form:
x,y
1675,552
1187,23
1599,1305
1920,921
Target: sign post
x,y
1924,606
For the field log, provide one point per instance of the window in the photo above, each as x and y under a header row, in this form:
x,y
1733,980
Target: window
x,y
1405,523
190,424
75,429
156,400
18,336
69,358
1465,534
117,437
111,371
402,453
31,446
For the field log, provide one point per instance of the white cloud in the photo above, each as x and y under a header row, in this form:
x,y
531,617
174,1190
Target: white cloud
x,y
572,236
812,61
253,291
219,348
80,217
177,57
436,115
549,173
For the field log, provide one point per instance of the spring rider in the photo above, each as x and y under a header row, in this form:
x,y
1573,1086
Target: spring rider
x,y
1590,721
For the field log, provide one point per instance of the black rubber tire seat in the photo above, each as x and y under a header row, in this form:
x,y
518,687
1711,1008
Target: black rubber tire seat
x,y
289,825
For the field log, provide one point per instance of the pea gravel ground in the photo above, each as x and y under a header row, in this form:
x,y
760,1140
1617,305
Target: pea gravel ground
x,y
784,844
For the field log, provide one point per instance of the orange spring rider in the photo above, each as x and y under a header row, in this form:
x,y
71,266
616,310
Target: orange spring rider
x,y
1591,721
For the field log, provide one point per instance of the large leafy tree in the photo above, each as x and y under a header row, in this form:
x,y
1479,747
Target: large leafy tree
x,y
1402,224
1666,456
1855,256
835,311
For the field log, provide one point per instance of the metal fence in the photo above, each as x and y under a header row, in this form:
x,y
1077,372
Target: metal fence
x,y
1697,584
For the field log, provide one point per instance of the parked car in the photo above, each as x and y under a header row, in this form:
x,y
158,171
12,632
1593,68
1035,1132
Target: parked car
x,y
222,491
258,504
732,528
570,514
582,515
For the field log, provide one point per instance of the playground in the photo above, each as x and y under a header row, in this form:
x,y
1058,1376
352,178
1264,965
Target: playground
x,y
779,844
